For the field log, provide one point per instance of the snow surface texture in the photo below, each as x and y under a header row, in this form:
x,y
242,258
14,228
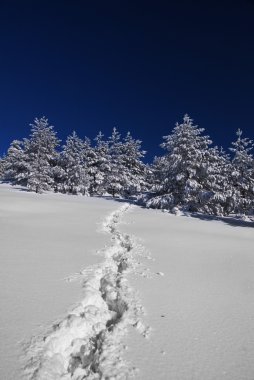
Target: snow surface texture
x,y
44,238
199,299
198,294
87,344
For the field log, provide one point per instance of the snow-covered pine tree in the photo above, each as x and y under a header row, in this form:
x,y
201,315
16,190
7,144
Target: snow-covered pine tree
x,y
99,166
243,173
16,164
41,155
72,161
89,163
158,175
130,158
59,174
192,174
216,196
2,168
189,174
186,151
154,180
114,180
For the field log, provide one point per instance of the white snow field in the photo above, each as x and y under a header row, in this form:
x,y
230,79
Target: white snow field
x,y
44,239
165,297
198,297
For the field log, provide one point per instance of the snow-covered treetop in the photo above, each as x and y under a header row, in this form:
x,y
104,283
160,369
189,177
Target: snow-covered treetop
x,y
241,149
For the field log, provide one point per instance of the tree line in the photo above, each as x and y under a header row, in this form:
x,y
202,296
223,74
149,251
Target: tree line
x,y
192,174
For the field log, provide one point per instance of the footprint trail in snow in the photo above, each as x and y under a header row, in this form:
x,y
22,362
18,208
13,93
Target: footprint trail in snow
x,y
87,344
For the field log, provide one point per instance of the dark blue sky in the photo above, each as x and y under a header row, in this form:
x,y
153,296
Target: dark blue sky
x,y
137,65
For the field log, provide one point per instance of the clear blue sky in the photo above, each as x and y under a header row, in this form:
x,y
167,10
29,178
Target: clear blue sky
x,y
136,65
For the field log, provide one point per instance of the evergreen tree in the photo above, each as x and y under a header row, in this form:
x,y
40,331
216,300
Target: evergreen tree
x,y
133,173
183,168
156,175
216,196
191,175
124,172
16,165
2,167
100,166
114,180
242,172
41,155
89,165
72,160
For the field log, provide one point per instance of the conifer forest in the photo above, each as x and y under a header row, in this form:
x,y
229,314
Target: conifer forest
x,y
191,175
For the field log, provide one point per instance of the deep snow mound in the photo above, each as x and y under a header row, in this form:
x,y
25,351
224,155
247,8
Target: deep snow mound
x,y
87,343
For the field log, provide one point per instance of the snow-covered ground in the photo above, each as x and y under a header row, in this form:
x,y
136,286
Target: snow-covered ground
x,y
193,278
44,239
198,296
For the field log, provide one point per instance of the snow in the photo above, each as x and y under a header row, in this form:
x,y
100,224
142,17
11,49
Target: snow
x,y
87,342
202,309
192,277
44,239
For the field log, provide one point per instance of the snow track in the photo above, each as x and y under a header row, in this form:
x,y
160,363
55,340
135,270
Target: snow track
x,y
87,344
